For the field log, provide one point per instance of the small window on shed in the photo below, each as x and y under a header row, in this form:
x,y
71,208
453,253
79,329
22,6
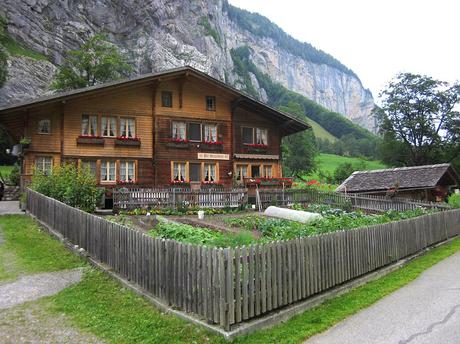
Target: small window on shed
x,y
44,126
210,103
166,99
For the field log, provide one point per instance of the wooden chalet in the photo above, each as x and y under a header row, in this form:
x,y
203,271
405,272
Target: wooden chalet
x,y
178,127
427,183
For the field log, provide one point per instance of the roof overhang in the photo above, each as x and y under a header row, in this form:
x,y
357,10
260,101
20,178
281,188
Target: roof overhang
x,y
288,123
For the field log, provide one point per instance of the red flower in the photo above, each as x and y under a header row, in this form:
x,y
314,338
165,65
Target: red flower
x,y
313,182
218,143
211,182
125,181
178,182
126,138
177,140
256,145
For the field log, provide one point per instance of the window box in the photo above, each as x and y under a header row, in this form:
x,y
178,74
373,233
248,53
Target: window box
x,y
211,185
87,139
178,143
268,181
179,183
256,147
212,146
127,141
125,182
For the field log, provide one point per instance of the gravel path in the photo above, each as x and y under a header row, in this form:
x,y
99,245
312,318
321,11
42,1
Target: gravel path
x,y
33,324
10,208
33,287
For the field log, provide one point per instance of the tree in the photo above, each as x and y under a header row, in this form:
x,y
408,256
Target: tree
x,y
97,61
418,114
299,152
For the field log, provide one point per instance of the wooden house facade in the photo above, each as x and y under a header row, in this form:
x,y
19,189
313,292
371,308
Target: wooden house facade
x,y
179,127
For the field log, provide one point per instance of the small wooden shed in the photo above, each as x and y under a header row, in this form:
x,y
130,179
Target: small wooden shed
x,y
428,182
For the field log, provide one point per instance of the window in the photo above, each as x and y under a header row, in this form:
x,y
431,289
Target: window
x,y
44,164
127,127
267,171
166,99
210,103
179,171
178,130
210,172
108,171
109,126
89,125
127,171
195,172
90,165
248,135
241,172
261,136
210,132
194,131
255,171
44,126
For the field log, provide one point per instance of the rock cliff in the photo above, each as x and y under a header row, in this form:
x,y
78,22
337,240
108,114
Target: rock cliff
x,y
161,34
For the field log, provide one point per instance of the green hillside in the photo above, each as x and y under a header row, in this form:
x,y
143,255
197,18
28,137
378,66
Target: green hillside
x,y
329,162
320,132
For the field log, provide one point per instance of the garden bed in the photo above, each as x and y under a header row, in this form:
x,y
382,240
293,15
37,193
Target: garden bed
x,y
245,228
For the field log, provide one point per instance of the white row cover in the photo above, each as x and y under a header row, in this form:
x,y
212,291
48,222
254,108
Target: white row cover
x,y
293,215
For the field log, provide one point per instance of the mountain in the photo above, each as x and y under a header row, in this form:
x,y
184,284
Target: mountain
x,y
161,34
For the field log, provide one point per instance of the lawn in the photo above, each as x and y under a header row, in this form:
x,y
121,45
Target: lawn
x,y
103,307
329,162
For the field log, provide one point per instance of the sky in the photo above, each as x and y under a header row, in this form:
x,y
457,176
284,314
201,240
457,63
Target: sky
x,y
374,38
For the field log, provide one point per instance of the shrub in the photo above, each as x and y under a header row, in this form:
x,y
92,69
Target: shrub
x,y
454,200
15,175
70,185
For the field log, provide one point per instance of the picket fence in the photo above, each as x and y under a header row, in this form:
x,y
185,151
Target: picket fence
x,y
233,285
132,198
288,197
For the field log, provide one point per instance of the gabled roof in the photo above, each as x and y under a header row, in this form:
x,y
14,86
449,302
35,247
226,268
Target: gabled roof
x,y
291,124
416,177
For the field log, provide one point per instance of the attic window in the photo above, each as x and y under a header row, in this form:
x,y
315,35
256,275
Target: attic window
x,y
210,103
44,126
166,99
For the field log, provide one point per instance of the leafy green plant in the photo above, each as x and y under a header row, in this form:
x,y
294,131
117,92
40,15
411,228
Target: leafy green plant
x,y
70,185
15,175
454,200
198,235
25,141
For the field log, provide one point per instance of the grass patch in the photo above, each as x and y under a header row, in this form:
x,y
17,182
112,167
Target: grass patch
x,y
28,250
5,171
102,306
329,162
319,131
15,48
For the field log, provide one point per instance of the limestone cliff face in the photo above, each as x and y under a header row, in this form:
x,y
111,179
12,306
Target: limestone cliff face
x,y
161,34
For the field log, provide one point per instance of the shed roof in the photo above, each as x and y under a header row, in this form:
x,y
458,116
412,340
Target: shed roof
x,y
290,124
416,177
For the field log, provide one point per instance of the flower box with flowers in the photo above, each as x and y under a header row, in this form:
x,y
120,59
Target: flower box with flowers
x,y
125,182
90,139
179,183
127,141
211,184
212,145
256,147
265,181
177,143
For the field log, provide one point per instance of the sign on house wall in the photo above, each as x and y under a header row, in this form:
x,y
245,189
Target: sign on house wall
x,y
213,156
